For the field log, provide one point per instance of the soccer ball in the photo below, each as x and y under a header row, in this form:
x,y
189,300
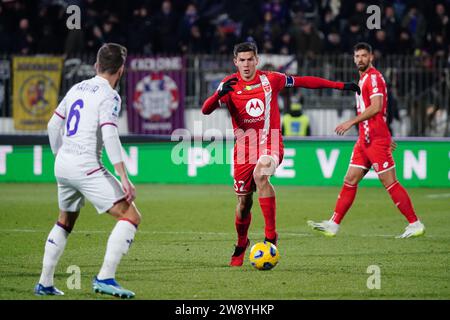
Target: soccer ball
x,y
264,255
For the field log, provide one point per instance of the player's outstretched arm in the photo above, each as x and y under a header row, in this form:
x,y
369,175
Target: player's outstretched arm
x,y
212,103
113,149
55,132
310,82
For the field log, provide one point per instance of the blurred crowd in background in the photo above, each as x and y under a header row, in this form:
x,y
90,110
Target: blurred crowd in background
x,y
301,27
318,32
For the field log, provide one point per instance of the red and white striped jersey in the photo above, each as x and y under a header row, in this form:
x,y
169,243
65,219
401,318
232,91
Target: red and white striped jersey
x,y
253,106
372,84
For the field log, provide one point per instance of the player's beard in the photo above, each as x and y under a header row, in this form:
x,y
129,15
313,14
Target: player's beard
x,y
363,67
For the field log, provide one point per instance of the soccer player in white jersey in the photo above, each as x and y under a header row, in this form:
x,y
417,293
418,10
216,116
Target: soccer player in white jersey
x,y
84,121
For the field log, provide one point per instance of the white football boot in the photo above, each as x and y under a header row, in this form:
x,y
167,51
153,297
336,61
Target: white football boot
x,y
415,229
328,228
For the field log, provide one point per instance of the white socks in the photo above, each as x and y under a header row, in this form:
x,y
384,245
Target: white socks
x,y
119,242
54,247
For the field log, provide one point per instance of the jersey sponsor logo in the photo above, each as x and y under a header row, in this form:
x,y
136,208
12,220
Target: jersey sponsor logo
x,y
253,120
254,107
74,148
375,90
255,86
385,165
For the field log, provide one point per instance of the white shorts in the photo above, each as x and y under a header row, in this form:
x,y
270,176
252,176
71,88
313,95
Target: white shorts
x,y
100,188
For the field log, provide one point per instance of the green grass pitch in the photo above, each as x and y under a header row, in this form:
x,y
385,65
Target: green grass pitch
x,y
183,246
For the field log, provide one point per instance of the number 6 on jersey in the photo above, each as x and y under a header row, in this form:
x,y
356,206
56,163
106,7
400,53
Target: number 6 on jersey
x,y
74,112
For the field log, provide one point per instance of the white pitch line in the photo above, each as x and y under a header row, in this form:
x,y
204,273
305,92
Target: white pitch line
x,y
22,230
149,232
100,231
291,234
438,195
378,235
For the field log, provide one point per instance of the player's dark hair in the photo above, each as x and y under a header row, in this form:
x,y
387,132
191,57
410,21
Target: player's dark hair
x,y
245,47
362,46
110,57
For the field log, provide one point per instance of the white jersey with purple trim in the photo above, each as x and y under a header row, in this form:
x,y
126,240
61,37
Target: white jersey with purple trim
x,y
87,107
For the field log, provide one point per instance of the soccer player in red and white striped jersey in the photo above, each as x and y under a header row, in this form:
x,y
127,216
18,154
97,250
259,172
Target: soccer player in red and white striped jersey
x,y
372,149
250,95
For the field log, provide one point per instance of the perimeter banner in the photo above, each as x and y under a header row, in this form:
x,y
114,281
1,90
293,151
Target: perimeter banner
x,y
305,163
156,91
36,82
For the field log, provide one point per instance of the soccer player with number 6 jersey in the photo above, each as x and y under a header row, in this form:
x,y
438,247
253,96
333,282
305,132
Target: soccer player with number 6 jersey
x,y
84,121
250,95
372,149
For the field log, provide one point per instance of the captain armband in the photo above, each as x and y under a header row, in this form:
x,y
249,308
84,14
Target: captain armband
x,y
289,82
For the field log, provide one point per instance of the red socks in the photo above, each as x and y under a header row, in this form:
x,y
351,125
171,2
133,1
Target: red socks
x,y
344,202
242,229
398,195
402,201
268,208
